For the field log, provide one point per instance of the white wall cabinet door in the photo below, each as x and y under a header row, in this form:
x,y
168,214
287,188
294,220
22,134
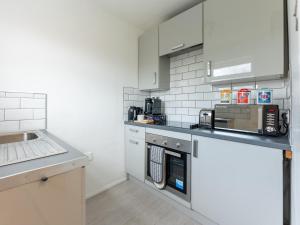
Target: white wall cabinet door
x,y
154,71
182,31
244,40
135,152
58,201
237,184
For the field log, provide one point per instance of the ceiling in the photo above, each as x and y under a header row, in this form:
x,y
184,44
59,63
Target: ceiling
x,y
145,13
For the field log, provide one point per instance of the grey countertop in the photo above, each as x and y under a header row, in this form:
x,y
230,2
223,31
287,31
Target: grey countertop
x,y
24,172
281,143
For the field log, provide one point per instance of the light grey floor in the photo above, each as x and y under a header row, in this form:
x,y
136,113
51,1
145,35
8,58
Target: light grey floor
x,y
131,204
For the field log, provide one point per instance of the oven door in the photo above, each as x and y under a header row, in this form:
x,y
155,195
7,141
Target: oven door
x,y
178,173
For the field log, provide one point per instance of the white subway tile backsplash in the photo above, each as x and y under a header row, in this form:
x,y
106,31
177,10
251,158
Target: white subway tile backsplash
x,y
43,96
32,125
176,77
18,114
182,97
169,98
203,104
19,95
175,64
182,69
279,93
182,111
189,93
188,104
9,103
9,126
201,73
39,114
190,89
189,60
33,103
182,83
189,75
197,66
18,110
196,96
204,88
175,91
197,81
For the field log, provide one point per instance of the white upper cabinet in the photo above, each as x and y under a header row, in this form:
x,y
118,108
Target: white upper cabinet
x,y
154,71
244,40
182,31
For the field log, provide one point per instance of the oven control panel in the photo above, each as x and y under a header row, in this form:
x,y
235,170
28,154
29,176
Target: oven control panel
x,y
171,143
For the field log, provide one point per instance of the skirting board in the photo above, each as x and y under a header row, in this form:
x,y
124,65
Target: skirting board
x,y
106,187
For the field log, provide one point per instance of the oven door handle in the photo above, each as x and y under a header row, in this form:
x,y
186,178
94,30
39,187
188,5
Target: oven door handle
x,y
173,153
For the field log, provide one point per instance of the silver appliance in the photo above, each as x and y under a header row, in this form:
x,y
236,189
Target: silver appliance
x,y
177,164
206,118
259,119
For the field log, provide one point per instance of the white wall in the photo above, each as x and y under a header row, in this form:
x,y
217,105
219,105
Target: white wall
x,y
81,57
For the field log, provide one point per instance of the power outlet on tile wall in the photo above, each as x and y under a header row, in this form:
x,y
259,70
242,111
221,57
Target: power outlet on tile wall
x,y
189,93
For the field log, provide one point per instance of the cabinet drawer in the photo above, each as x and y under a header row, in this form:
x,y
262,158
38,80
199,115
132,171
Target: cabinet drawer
x,y
135,132
135,157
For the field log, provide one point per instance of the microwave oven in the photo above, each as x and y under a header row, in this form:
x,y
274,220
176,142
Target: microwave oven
x,y
258,119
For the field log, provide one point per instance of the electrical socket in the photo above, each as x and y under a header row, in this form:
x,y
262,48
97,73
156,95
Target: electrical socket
x,y
287,115
90,155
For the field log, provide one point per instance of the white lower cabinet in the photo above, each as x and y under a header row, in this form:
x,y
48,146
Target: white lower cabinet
x,y
60,200
135,151
237,184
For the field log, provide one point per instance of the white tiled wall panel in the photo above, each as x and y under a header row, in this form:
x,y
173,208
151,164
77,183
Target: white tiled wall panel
x,y
22,111
32,124
189,93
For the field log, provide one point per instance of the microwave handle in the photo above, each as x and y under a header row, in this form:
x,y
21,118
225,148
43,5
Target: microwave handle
x,y
195,148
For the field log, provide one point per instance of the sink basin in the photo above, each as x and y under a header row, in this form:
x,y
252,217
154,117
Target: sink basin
x,y
12,138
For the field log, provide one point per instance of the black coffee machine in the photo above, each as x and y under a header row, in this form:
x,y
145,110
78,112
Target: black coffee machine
x,y
133,112
153,106
153,111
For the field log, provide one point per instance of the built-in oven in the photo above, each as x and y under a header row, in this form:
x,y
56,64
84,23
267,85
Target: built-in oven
x,y
176,164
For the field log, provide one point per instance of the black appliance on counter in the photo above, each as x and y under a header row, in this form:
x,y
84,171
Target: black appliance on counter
x,y
133,112
153,106
148,106
157,119
258,119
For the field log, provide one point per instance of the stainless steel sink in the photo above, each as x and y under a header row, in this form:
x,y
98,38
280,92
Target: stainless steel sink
x,y
12,138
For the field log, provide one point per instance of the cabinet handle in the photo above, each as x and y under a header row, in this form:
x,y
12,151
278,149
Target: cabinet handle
x,y
195,149
209,68
177,47
154,77
134,142
133,130
44,179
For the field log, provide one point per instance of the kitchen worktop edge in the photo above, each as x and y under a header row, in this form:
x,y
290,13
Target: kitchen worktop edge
x,y
281,143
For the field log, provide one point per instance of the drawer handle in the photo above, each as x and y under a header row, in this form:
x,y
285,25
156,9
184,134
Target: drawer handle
x,y
177,47
134,142
44,179
134,130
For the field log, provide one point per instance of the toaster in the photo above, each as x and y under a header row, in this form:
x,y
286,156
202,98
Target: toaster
x,y
206,118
